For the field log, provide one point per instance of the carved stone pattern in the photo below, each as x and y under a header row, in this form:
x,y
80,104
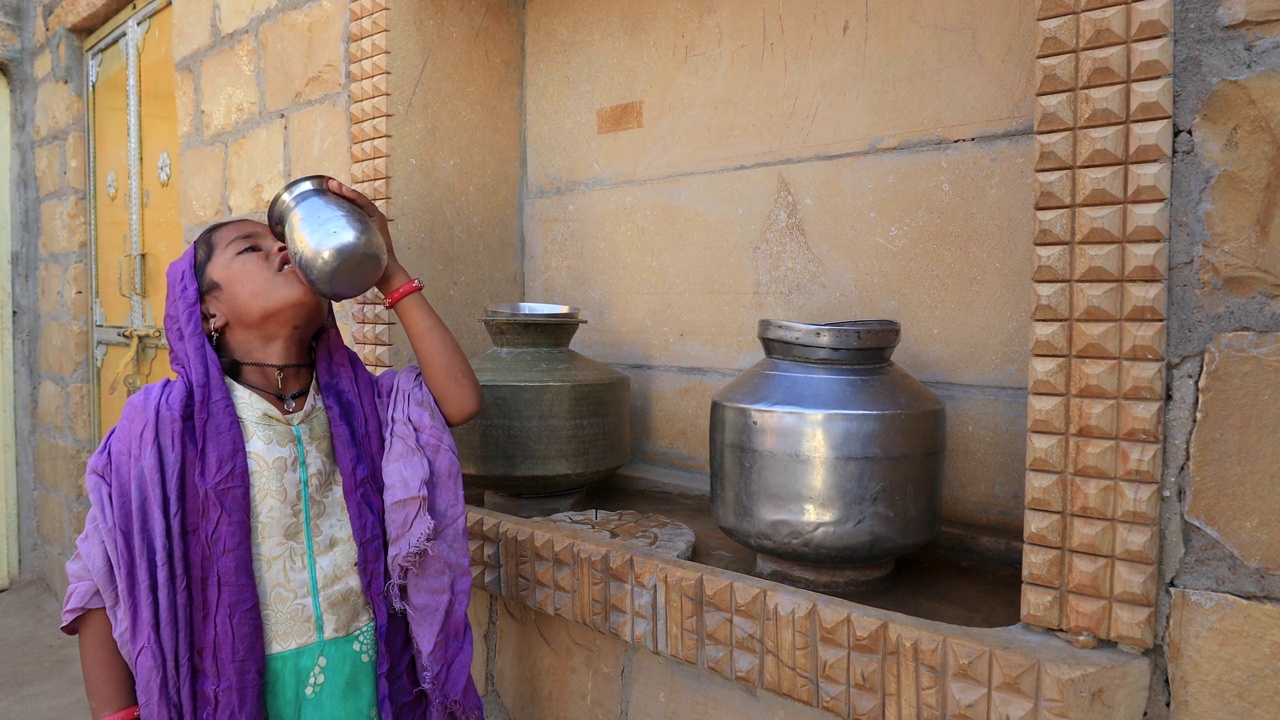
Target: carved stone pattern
x,y
823,652
370,174
1104,137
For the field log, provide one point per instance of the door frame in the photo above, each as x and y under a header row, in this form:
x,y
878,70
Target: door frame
x,y
8,409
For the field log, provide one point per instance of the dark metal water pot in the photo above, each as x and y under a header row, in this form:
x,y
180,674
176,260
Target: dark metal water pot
x,y
553,421
825,453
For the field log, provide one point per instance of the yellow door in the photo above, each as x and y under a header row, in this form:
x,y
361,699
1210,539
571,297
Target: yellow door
x,y
8,443
133,144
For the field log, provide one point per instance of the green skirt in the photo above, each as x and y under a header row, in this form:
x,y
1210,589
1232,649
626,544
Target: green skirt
x,y
333,679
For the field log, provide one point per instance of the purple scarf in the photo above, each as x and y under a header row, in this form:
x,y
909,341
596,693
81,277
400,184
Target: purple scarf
x,y
166,547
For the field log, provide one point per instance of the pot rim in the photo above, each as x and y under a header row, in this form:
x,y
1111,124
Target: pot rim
x,y
841,335
531,311
291,190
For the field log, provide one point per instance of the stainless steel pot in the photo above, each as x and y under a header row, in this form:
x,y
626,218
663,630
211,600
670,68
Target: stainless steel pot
x,y
333,244
825,453
553,421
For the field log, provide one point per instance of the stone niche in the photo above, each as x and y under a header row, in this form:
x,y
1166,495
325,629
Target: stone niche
x,y
679,170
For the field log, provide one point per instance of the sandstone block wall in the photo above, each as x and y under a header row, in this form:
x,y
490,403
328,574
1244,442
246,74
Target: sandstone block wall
x,y
1218,625
693,167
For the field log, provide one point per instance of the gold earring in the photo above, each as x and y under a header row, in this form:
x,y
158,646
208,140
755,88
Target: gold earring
x,y
213,331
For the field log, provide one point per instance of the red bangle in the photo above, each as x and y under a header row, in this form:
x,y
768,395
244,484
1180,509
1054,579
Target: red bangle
x,y
129,713
402,292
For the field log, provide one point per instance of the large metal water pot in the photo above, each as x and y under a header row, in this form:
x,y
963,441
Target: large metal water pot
x,y
826,457
553,421
333,245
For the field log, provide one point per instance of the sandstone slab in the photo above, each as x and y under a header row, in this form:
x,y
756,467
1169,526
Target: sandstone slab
x,y
669,274
200,191
229,87
80,411
77,166
184,94
456,111
320,142
1224,657
62,226
235,14
478,617
48,168
62,347
192,26
1234,458
665,689
706,86
255,169
51,520
548,668
50,406
1248,12
300,53
1234,132
56,108
60,466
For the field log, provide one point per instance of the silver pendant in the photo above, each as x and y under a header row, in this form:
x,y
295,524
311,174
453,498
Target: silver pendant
x,y
289,405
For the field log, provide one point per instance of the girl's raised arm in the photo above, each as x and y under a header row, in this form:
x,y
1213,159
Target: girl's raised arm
x,y
444,366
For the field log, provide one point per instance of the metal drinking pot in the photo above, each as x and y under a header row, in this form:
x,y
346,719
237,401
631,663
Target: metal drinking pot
x,y
826,457
333,244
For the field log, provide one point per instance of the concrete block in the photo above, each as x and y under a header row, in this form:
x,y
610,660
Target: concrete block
x,y
300,53
255,169
1233,455
1224,656
550,669
200,192
637,91
678,272
320,142
229,87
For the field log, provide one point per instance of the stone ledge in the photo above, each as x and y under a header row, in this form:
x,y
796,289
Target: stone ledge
x,y
847,659
83,15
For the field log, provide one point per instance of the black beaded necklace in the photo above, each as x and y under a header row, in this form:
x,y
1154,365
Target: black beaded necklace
x,y
289,399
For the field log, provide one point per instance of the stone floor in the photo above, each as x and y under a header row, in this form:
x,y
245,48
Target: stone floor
x,y
39,666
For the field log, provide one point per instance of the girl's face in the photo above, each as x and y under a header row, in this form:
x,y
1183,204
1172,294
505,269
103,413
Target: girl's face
x,y
253,285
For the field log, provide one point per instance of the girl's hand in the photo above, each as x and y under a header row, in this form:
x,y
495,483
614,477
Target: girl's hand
x,y
370,209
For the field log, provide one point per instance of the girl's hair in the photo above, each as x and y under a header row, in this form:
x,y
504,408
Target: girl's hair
x,y
204,253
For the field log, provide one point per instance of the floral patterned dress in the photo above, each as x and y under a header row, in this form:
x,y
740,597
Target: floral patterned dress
x,y
319,634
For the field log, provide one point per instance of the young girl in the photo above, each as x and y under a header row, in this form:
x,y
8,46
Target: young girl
x,y
276,532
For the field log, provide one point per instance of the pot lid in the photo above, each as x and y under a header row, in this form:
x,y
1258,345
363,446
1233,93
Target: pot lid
x,y
532,311
849,341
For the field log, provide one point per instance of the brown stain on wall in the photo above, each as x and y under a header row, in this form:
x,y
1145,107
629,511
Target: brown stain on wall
x,y
616,118
785,263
